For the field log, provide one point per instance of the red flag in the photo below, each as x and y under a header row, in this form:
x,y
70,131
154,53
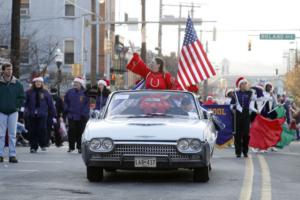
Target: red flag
x,y
193,64
265,133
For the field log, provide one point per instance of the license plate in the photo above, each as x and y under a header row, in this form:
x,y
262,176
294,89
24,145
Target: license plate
x,y
144,162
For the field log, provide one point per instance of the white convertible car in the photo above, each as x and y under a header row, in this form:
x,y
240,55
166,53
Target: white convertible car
x,y
149,129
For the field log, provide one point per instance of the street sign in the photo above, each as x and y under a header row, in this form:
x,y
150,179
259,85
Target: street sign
x,y
277,36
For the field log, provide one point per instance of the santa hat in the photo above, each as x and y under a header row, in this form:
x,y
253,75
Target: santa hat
x,y
239,81
38,79
268,83
228,91
209,98
79,80
102,82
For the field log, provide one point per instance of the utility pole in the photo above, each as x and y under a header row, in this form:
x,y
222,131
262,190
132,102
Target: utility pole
x,y
296,52
93,46
15,37
179,33
144,50
97,36
160,28
205,82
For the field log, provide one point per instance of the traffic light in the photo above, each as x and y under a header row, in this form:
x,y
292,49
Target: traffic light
x,y
76,70
113,77
249,45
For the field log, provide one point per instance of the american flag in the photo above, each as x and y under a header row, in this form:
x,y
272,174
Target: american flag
x,y
193,65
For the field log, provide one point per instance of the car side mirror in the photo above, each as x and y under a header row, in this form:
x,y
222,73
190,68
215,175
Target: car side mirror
x,y
96,114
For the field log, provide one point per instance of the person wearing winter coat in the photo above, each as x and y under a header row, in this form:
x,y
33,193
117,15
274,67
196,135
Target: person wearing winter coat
x,y
38,107
77,108
11,99
59,106
270,101
102,95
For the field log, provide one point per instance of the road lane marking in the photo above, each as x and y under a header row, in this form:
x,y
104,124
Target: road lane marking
x,y
248,180
266,188
18,170
288,153
42,162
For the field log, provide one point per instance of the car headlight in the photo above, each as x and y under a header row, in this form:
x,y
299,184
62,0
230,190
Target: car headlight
x,y
107,144
189,145
195,145
183,145
101,145
95,144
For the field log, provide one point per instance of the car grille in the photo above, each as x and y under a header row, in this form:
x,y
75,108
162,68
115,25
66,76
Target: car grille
x,y
145,149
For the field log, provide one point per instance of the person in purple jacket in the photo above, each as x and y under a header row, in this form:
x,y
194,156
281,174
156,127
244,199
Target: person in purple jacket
x,y
102,94
77,108
38,105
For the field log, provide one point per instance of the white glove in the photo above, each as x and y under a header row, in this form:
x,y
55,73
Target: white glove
x,y
239,108
54,120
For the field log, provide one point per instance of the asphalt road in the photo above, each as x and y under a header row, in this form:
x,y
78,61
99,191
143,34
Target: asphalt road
x,y
56,174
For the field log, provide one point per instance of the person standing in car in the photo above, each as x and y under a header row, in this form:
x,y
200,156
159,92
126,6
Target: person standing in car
x,y
77,108
38,107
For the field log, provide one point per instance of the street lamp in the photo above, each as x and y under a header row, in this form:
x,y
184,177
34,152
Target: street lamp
x,y
59,58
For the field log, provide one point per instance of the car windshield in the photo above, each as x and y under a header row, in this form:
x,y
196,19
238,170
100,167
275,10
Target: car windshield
x,y
152,104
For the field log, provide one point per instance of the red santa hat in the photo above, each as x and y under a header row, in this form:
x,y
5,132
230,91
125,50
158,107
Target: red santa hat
x,y
209,98
239,81
79,80
38,79
102,82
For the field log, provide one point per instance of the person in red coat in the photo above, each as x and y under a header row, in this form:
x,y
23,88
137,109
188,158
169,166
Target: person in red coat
x,y
156,77
210,101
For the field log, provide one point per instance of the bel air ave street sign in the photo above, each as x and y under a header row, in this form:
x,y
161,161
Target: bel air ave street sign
x,y
277,36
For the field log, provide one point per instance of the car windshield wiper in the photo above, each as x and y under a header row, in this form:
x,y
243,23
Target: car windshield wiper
x,y
149,115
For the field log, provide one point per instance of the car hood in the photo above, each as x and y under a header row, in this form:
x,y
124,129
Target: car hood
x,y
147,129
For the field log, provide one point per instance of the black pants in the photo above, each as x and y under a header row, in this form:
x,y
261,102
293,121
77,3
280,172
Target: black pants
x,y
76,128
38,132
241,137
57,136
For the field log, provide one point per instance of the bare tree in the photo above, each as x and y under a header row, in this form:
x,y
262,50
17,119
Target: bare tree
x,y
4,33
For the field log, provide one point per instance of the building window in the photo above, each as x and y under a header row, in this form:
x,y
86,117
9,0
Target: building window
x,y
24,10
24,51
69,8
69,52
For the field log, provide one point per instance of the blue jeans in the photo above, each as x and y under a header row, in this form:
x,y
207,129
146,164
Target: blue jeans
x,y
8,122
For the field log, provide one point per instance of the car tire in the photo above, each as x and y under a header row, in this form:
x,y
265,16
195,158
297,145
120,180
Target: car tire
x,y
201,174
94,174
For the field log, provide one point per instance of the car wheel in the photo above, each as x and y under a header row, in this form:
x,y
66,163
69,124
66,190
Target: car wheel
x,y
201,174
94,174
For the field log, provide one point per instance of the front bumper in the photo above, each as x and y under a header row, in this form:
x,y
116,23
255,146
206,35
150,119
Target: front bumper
x,y
163,161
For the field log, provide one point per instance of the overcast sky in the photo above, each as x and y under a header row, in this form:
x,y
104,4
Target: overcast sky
x,y
238,21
